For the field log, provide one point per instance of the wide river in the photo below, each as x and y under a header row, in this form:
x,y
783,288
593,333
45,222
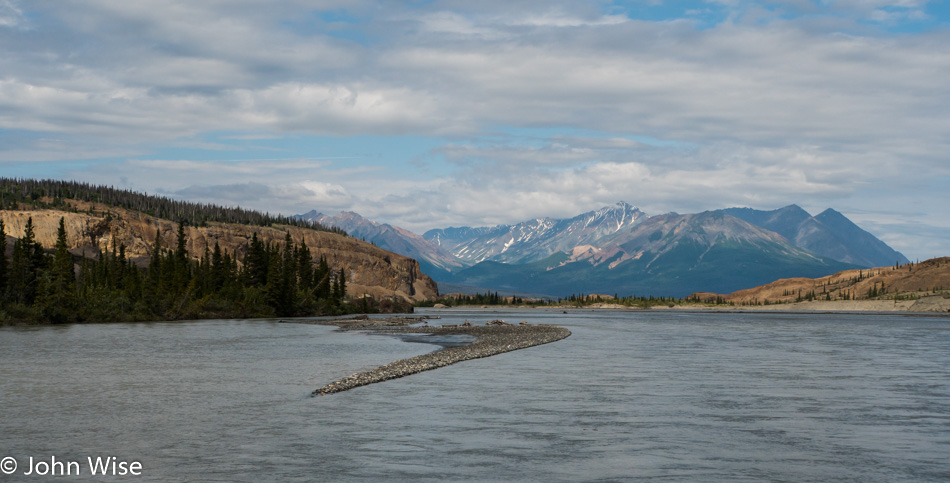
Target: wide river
x,y
639,395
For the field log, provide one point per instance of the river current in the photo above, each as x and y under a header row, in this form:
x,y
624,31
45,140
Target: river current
x,y
631,395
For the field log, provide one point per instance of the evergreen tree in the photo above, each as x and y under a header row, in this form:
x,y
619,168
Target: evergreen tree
x,y
340,293
182,266
63,272
3,260
28,258
321,277
219,268
272,289
255,262
305,267
202,275
56,297
287,299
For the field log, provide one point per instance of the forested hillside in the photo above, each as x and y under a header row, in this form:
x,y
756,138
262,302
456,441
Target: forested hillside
x,y
86,261
15,193
275,279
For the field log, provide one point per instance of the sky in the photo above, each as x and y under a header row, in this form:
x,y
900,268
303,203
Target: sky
x,y
434,113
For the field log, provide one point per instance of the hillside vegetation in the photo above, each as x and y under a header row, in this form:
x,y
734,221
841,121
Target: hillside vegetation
x,y
89,261
53,194
911,281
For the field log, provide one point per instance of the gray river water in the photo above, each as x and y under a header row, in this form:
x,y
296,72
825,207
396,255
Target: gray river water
x,y
640,395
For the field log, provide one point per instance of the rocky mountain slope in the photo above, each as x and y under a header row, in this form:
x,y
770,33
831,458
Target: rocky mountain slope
x,y
664,255
829,234
369,269
431,257
536,239
619,249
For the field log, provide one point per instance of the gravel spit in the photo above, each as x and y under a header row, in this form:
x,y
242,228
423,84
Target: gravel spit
x,y
495,338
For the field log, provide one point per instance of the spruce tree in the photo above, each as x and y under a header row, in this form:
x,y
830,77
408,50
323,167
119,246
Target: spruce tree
x,y
288,279
182,270
255,262
63,274
219,269
272,289
321,279
340,292
304,267
56,288
27,261
3,260
181,252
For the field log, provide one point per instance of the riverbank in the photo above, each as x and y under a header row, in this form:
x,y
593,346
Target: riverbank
x,y
496,337
933,304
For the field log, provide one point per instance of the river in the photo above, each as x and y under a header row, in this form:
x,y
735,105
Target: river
x,y
631,395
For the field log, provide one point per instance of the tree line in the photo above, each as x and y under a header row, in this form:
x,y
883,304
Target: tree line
x,y
15,192
274,280
577,300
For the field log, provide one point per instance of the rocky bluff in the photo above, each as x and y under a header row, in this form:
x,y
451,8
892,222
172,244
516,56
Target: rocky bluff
x,y
370,270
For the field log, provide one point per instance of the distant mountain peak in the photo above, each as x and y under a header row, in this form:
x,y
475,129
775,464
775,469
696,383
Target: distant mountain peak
x,y
310,214
829,234
536,239
793,208
622,206
619,248
831,212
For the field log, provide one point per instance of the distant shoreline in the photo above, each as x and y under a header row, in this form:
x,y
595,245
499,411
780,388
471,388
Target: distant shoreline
x,y
932,305
935,305
495,338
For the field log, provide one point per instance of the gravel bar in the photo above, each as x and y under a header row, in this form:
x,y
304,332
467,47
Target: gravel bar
x,y
495,338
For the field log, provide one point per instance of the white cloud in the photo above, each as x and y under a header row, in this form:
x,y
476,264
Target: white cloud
x,y
10,14
763,109
336,109
560,19
322,194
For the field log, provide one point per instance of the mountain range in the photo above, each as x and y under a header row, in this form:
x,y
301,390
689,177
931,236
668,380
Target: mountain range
x,y
620,249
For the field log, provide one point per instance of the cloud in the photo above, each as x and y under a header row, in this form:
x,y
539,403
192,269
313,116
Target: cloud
x,y
52,147
313,193
228,194
189,69
11,15
763,107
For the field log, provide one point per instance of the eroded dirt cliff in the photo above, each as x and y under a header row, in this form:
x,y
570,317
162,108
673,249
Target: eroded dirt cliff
x,y
370,270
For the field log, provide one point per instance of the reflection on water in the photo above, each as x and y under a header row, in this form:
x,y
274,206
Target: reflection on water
x,y
647,395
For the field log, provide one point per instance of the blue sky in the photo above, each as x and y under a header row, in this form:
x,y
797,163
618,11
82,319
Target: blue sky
x,y
429,114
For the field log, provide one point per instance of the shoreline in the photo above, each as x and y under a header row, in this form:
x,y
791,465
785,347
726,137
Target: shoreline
x,y
935,305
496,338
932,305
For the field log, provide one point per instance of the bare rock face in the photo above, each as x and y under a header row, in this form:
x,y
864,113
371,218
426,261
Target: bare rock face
x,y
369,270
934,303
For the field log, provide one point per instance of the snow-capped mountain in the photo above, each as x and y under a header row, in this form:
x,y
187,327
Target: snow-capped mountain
x,y
619,249
536,239
667,254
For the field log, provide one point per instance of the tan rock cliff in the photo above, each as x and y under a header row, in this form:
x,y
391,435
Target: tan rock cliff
x,y
370,270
